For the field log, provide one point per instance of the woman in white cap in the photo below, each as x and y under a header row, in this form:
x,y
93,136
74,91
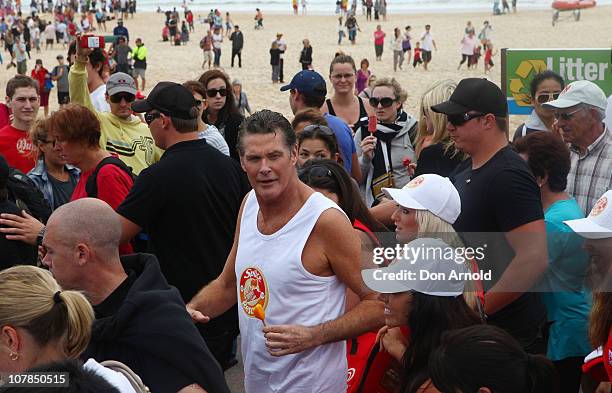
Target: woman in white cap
x,y
424,302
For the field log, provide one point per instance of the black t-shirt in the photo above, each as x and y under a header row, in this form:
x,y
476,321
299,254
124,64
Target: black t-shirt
x,y
14,252
434,159
188,204
229,129
62,190
496,198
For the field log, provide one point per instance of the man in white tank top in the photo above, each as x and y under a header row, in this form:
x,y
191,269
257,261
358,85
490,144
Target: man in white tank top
x,y
294,255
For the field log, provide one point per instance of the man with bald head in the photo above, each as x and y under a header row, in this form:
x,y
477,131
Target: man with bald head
x,y
140,319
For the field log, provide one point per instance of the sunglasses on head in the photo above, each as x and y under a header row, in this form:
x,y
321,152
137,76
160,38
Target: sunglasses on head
x,y
385,102
313,172
463,118
310,129
151,116
545,97
213,92
116,98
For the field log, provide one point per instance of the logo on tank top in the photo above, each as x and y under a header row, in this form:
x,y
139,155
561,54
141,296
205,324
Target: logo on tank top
x,y
253,290
599,207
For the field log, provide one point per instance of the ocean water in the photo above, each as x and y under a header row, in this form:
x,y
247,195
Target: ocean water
x,y
328,7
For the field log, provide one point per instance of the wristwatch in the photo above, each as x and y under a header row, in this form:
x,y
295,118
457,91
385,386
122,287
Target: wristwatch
x,y
39,238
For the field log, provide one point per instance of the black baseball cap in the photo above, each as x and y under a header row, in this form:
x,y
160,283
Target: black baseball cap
x,y
307,82
170,99
474,94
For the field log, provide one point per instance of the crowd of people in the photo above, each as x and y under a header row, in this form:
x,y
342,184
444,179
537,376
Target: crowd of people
x,y
153,230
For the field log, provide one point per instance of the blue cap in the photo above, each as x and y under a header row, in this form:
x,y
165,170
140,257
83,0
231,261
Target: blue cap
x,y
307,82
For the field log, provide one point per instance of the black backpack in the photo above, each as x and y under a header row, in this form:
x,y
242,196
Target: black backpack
x,y
27,196
91,187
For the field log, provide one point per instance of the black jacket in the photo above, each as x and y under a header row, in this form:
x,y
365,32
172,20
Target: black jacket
x,y
152,333
237,40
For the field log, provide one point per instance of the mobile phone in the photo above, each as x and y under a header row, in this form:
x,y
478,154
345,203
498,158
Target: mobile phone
x,y
372,124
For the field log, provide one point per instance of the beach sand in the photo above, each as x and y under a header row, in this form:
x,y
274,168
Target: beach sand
x,y
526,29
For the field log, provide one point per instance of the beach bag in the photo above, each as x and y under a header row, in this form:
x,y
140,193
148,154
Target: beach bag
x,y
132,377
24,193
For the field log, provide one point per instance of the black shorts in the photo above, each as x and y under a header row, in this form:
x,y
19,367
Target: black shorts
x,y
63,97
426,55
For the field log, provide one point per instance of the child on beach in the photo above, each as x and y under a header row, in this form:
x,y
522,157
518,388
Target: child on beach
x,y
275,61
488,59
417,54
184,33
340,31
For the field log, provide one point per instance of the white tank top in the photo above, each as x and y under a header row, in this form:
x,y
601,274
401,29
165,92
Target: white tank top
x,y
269,271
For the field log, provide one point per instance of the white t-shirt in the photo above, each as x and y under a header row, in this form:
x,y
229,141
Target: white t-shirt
x,y
215,139
98,99
217,40
50,32
427,41
468,44
61,28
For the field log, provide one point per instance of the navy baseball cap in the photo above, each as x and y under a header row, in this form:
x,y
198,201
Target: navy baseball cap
x,y
307,82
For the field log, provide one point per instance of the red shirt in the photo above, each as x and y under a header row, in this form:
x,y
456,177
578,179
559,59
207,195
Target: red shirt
x,y
113,186
40,76
607,355
5,112
417,53
379,37
16,147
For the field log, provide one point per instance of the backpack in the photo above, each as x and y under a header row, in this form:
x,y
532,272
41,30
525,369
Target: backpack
x,y
91,187
27,196
202,43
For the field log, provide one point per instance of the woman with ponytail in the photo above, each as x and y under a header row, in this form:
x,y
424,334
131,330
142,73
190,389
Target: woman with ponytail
x,y
486,359
41,324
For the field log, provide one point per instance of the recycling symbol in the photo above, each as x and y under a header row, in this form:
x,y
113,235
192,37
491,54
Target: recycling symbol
x,y
519,87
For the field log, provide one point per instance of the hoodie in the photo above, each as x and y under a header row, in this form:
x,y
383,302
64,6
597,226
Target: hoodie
x,y
129,139
144,324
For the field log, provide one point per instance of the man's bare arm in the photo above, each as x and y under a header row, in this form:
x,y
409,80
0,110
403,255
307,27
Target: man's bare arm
x,y
530,261
220,294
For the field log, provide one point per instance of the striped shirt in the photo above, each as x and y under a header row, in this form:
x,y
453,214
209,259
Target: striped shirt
x,y
591,173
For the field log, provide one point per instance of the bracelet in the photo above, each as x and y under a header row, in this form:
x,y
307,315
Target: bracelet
x,y
40,237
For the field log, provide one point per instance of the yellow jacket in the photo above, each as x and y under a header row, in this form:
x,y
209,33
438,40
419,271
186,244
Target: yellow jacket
x,y
129,138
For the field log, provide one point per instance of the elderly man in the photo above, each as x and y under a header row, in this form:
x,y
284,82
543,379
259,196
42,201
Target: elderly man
x,y
121,133
500,209
579,113
140,319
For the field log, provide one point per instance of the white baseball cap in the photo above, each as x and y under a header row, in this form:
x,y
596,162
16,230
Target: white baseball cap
x,y
598,225
579,92
427,272
429,192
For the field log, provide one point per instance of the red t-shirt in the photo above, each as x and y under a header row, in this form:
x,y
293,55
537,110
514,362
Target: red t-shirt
x,y
16,147
5,114
40,76
379,37
113,186
607,355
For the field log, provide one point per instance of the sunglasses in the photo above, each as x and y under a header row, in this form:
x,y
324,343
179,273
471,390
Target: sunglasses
x,y
213,92
313,172
116,98
567,116
545,97
461,119
311,129
386,102
150,117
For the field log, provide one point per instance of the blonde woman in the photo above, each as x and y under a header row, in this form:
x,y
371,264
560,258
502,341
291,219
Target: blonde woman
x,y
434,148
41,324
427,207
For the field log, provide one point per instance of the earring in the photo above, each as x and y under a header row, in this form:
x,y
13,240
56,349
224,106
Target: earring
x,y
14,356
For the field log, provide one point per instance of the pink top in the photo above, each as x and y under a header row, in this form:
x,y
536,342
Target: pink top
x,y
362,80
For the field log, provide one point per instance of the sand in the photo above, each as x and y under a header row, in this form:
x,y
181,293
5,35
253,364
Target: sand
x,y
526,29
